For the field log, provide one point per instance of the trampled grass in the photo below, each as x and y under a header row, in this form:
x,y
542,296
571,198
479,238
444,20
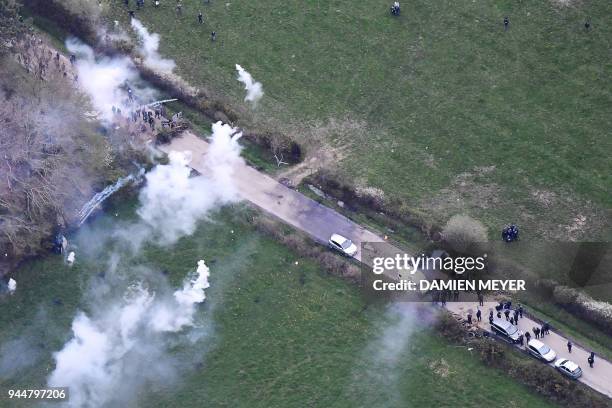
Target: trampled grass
x,y
284,335
455,115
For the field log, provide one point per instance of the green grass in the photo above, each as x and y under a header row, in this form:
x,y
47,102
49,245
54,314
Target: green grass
x,y
284,334
438,92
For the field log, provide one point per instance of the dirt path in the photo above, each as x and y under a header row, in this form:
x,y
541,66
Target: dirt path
x,y
320,222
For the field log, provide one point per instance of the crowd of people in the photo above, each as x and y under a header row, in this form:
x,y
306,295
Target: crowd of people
x,y
513,316
503,310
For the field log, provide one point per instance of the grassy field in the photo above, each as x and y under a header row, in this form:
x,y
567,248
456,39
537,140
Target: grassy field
x,y
439,107
284,334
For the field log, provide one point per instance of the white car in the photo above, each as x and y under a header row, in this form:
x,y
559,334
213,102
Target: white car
x,y
342,244
568,367
541,351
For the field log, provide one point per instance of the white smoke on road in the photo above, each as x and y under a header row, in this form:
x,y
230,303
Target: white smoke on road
x,y
150,48
106,80
126,345
254,89
172,202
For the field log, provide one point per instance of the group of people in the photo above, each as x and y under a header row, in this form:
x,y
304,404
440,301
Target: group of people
x,y
148,117
506,309
510,233
395,9
442,296
538,332
37,58
179,12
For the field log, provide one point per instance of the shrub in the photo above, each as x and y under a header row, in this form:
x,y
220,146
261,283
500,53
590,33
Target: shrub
x,y
464,234
597,312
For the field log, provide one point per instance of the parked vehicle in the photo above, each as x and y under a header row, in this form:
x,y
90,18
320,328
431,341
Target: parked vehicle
x,y
568,368
541,351
342,244
506,330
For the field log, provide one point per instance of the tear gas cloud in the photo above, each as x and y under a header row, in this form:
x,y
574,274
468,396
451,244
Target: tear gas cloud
x,y
383,354
126,338
106,79
254,89
150,48
123,343
172,202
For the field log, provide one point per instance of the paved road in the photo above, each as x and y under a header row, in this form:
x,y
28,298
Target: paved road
x,y
320,222
290,206
599,377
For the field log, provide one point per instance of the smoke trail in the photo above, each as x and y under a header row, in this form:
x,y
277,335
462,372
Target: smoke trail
x,y
254,89
149,48
99,198
381,370
129,337
107,80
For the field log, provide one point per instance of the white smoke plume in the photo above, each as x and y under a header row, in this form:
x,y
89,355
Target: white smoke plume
x,y
12,285
254,89
173,317
106,80
150,48
128,338
172,202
